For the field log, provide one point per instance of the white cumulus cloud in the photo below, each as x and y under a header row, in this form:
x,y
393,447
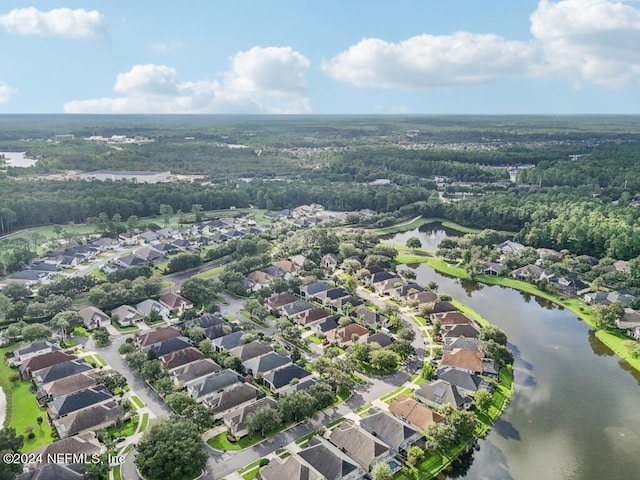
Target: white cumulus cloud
x,y
427,61
580,40
6,92
593,40
266,80
59,22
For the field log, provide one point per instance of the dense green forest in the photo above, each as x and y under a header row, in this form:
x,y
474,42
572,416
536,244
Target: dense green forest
x,y
577,192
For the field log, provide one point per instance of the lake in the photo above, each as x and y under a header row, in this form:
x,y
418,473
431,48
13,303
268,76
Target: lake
x,y
575,414
17,159
430,234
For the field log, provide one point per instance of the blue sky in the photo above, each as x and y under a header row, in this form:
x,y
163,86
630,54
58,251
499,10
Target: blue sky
x,y
254,56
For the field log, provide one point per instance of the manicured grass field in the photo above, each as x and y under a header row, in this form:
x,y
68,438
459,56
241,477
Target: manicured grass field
x,y
22,409
314,339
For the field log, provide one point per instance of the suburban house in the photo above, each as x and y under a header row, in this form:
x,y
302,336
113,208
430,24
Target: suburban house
x,y
227,342
449,319
169,346
381,276
326,325
258,366
133,261
176,303
288,267
51,471
129,238
194,370
89,419
466,383
330,463
309,291
205,321
260,279
67,404
571,286
509,247
180,357
220,330
126,315
360,445
606,298
35,363
33,350
155,336
278,300
331,294
439,392
93,317
150,254
423,297
236,420
66,385
442,306
301,262
468,331
329,261
85,443
463,342
59,371
369,318
403,291
385,287
147,306
281,378
250,350
629,322
212,384
532,272
491,268
232,398
414,412
345,336
339,304
295,308
381,339
396,434
310,316
469,360
149,236
165,248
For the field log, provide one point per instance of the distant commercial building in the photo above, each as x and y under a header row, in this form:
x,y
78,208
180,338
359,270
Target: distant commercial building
x,y
130,176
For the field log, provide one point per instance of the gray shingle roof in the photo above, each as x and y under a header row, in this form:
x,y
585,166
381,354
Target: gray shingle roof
x,y
205,321
229,341
88,418
284,375
266,363
387,428
61,370
233,397
73,402
192,371
171,345
356,442
327,459
212,383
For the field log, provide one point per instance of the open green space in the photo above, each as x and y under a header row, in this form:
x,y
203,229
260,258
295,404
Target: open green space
x,y
619,343
314,339
22,410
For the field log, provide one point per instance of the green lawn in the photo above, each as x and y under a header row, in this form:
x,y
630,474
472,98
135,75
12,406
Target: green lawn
x,y
125,429
314,339
221,442
210,273
166,284
22,409
124,330
619,343
80,332
136,401
96,360
99,274
144,422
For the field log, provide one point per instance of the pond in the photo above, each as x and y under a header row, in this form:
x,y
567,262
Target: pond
x,y
576,410
18,159
430,234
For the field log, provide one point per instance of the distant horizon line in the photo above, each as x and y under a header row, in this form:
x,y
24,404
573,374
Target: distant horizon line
x,y
290,115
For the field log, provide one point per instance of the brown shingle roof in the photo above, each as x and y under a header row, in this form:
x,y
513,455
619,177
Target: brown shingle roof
x,y
156,336
414,412
173,300
464,359
452,318
181,357
43,361
344,334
